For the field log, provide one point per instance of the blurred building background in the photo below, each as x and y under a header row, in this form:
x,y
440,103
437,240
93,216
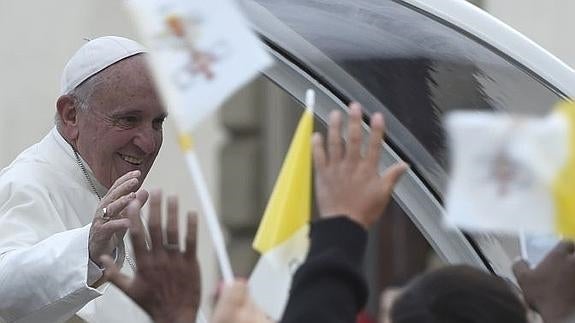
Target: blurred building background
x,y
241,148
545,22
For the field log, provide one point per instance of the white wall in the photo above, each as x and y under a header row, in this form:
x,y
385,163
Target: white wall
x,y
38,37
548,23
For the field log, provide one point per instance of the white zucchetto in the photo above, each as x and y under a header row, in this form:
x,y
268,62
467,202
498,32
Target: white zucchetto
x,y
94,56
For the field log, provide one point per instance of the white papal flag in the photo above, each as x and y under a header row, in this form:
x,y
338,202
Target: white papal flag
x,y
201,52
513,173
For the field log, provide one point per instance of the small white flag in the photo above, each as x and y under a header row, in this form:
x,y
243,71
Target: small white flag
x,y
511,173
201,52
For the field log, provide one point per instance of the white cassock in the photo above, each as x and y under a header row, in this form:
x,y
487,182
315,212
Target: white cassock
x,y
46,209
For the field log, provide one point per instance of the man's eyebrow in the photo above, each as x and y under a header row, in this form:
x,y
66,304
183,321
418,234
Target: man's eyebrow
x,y
135,112
126,112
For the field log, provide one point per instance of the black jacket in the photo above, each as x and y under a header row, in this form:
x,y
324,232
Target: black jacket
x,y
329,286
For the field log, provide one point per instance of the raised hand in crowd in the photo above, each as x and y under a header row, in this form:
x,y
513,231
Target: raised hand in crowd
x,y
348,183
351,195
236,306
109,226
549,288
167,280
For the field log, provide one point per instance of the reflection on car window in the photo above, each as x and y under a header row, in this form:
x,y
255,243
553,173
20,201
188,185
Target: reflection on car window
x,y
417,67
397,252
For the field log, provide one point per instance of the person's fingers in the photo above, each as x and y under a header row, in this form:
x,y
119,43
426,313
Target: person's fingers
x,y
319,157
142,196
172,237
115,208
191,235
521,271
112,274
353,147
124,178
374,149
335,146
155,219
392,175
114,226
137,231
125,188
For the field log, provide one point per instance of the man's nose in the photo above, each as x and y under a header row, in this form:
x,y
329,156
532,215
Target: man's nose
x,y
147,140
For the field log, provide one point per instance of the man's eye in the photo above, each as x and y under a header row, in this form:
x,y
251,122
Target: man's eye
x,y
130,119
158,123
127,121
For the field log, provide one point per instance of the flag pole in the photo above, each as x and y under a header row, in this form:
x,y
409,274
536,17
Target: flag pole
x,y
310,100
209,211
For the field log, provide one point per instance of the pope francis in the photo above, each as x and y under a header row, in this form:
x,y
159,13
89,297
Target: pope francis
x,y
62,199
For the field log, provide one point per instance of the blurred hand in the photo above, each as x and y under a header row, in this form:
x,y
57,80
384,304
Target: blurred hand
x,y
550,287
167,280
236,306
347,183
106,233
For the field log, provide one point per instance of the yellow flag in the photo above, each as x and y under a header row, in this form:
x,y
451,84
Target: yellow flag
x,y
282,238
289,206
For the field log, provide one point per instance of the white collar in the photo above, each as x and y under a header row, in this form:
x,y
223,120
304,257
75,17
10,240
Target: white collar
x,y
67,148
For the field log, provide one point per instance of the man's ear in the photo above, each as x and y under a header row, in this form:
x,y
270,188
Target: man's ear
x,y
68,117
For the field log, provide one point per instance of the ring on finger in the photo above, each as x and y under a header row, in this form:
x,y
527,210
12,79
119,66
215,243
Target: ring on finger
x,y
171,246
105,215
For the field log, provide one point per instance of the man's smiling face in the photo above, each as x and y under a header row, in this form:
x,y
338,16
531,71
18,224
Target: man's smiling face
x,y
121,128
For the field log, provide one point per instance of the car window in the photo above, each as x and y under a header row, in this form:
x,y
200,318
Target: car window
x,y
414,68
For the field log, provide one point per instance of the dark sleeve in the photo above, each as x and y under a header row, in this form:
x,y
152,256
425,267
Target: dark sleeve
x,y
329,286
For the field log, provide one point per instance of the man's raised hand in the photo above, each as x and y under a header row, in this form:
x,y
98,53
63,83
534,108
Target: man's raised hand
x,y
109,224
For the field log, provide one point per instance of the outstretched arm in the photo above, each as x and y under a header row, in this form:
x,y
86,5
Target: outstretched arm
x,y
351,195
